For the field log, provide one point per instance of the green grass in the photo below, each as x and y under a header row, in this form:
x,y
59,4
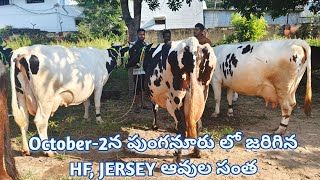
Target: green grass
x,y
61,156
29,135
217,134
28,176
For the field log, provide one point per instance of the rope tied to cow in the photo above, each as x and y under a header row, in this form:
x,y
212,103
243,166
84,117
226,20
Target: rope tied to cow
x,y
142,54
141,58
135,91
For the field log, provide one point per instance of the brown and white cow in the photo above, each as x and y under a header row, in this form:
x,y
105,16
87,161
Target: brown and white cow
x,y
179,81
269,69
7,164
46,77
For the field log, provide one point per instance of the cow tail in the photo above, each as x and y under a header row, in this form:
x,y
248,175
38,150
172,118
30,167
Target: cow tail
x,y
16,112
192,121
8,155
307,101
14,102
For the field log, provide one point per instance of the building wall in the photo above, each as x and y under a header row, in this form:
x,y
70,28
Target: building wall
x,y
186,17
221,18
45,16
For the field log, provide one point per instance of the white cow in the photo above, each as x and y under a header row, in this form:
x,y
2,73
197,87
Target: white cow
x,y
46,77
270,69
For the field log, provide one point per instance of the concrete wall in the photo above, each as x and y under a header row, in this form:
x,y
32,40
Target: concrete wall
x,y
214,34
45,15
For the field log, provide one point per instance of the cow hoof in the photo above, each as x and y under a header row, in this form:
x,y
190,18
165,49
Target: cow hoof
x,y
154,127
51,154
280,132
214,115
196,153
99,121
177,158
230,114
86,120
25,152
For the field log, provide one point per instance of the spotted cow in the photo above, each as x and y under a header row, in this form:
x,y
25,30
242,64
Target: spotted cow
x,y
46,77
178,81
5,54
269,69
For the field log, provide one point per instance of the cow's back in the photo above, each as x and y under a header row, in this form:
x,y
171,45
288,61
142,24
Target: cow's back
x,y
248,68
56,70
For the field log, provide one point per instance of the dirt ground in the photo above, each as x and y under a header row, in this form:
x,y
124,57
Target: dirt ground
x,y
250,116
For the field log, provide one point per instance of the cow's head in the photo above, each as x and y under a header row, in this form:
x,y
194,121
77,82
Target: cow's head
x,y
5,54
119,52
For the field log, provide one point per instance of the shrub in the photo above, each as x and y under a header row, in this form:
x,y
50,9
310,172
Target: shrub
x,y
252,29
17,41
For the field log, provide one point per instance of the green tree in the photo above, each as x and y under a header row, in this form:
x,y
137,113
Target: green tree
x,y
133,23
102,18
276,8
252,29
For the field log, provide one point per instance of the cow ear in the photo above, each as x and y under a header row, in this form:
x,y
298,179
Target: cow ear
x,y
124,50
149,46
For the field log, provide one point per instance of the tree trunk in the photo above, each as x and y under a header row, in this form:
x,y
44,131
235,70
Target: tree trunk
x,y
132,24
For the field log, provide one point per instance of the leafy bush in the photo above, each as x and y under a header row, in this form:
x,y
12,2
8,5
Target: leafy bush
x,y
310,41
97,43
252,29
308,30
102,19
4,32
17,41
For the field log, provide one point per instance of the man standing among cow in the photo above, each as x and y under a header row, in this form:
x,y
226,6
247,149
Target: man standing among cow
x,y
166,34
138,72
198,32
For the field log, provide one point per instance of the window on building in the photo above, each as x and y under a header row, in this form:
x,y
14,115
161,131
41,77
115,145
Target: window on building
x,y
34,1
160,21
4,2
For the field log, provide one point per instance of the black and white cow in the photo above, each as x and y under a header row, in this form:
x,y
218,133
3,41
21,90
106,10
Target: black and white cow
x,y
5,54
178,81
270,69
46,77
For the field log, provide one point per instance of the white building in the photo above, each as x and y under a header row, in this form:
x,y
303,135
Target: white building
x,y
47,15
165,18
63,15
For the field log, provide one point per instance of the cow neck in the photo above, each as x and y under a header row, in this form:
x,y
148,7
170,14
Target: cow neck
x,y
114,56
